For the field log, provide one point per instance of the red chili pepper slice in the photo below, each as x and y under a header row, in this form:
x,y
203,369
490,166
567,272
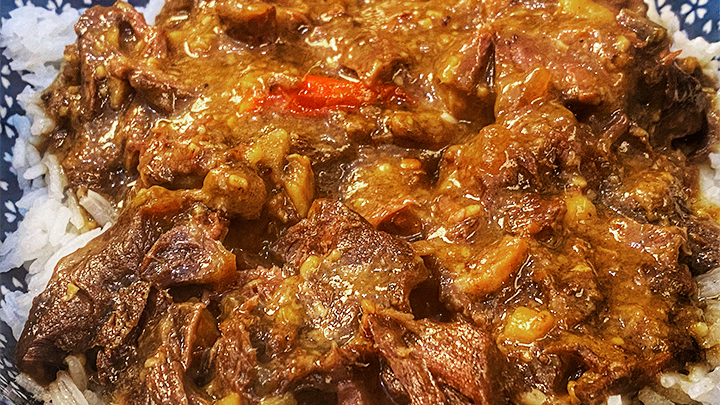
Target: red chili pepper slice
x,y
318,95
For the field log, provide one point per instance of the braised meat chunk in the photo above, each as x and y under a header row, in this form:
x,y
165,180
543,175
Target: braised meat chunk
x,y
379,202
335,247
98,294
304,320
434,362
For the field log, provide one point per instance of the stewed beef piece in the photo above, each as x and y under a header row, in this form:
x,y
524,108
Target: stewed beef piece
x,y
97,295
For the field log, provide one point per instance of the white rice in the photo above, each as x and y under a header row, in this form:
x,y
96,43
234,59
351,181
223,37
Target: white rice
x,y
53,225
698,47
